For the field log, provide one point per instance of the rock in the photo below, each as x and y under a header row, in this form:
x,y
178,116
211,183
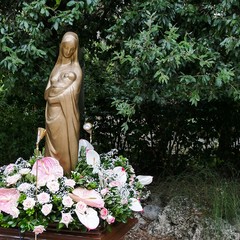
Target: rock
x,y
236,224
155,198
183,220
151,212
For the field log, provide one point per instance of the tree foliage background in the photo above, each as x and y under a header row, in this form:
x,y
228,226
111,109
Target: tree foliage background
x,y
161,77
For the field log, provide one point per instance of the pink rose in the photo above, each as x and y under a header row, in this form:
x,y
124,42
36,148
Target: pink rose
x,y
70,183
110,219
81,207
28,203
43,197
13,179
53,186
38,229
67,201
104,213
46,209
66,218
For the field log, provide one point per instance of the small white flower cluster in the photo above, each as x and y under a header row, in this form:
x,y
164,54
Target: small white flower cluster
x,y
102,188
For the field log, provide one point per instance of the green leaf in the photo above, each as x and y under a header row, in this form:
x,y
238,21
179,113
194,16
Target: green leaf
x,y
57,3
195,98
55,26
25,23
89,2
71,3
162,78
187,79
124,128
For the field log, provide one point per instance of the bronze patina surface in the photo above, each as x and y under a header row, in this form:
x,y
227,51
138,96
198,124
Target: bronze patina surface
x,y
62,111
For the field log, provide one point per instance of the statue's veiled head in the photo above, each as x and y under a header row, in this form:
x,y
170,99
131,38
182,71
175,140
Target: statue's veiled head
x,y
69,47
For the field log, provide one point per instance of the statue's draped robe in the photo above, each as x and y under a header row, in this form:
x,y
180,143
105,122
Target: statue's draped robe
x,y
63,126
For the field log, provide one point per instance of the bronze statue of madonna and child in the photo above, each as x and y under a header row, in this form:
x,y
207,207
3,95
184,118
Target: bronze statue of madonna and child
x,y
62,111
62,133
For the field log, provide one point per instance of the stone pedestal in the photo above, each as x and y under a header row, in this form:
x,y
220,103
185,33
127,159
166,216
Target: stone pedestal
x,y
117,233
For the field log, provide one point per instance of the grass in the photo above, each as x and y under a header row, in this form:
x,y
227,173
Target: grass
x,y
218,196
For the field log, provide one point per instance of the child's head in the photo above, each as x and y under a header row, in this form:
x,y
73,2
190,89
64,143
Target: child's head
x,y
71,76
64,81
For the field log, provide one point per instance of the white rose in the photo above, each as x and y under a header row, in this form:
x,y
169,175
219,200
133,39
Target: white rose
x,y
15,212
13,179
24,171
81,207
70,182
43,197
39,229
53,186
46,209
66,218
24,187
28,203
67,201
43,181
9,169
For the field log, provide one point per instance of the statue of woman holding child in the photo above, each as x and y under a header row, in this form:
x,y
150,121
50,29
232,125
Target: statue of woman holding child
x,y
62,111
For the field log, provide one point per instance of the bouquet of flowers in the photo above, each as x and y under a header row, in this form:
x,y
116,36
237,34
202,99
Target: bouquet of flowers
x,y
103,189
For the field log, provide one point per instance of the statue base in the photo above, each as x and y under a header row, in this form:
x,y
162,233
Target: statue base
x,y
118,232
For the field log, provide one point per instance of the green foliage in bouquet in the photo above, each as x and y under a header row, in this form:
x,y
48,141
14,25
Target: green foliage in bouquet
x,y
103,189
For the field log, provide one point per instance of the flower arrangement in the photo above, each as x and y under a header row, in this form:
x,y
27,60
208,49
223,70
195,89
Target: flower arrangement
x,y
103,189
